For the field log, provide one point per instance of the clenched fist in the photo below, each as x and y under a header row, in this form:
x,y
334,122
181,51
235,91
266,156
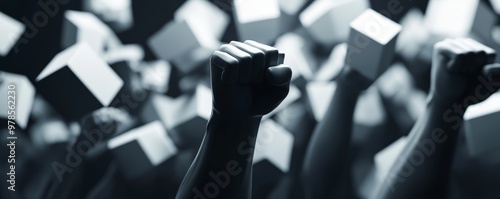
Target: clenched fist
x,y
248,79
460,69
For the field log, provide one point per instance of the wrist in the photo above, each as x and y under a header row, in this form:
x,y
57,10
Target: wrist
x,y
231,127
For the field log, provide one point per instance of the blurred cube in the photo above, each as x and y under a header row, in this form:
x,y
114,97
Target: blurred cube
x,y
131,53
371,43
290,11
257,20
458,18
86,27
10,32
184,43
481,126
140,150
332,67
299,56
413,35
185,117
369,118
48,132
328,21
204,14
117,13
24,95
77,81
320,95
155,75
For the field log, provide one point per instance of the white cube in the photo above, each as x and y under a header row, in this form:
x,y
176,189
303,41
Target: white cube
x,y
116,13
47,132
332,67
183,43
257,20
320,94
458,18
84,82
155,75
204,14
413,35
23,98
86,27
371,43
481,126
10,32
139,150
328,21
275,144
299,55
290,10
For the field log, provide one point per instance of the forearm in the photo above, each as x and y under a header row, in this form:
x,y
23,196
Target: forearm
x,y
425,162
327,153
226,152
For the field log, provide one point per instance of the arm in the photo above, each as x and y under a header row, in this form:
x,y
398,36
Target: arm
x,y
246,85
327,152
423,168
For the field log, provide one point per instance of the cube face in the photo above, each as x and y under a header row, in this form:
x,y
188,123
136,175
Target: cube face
x,y
451,18
10,32
320,95
143,148
80,70
24,97
257,20
275,144
298,55
484,21
481,126
118,13
371,43
83,26
211,18
387,157
328,21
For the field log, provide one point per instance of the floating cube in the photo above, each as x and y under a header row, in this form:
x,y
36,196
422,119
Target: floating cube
x,y
204,14
116,13
86,27
10,32
328,21
257,20
47,132
24,97
290,11
131,53
371,43
332,67
156,75
185,117
386,158
275,144
320,94
184,43
458,18
140,150
413,35
77,81
481,126
369,117
299,55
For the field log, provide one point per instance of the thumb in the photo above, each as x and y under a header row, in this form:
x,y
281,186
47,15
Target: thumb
x,y
278,75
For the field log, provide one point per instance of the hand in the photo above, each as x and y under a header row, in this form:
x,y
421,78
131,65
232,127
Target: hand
x,y
246,80
106,120
457,66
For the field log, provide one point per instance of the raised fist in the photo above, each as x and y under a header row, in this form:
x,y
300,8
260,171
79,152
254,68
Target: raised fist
x,y
247,79
461,68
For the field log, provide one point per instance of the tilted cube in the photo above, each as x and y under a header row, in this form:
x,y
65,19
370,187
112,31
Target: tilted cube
x,y
185,117
77,81
184,43
481,126
299,55
155,75
205,14
139,150
328,21
320,95
86,27
257,20
23,96
290,11
116,13
371,43
369,118
10,32
413,35
332,67
459,18
47,132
